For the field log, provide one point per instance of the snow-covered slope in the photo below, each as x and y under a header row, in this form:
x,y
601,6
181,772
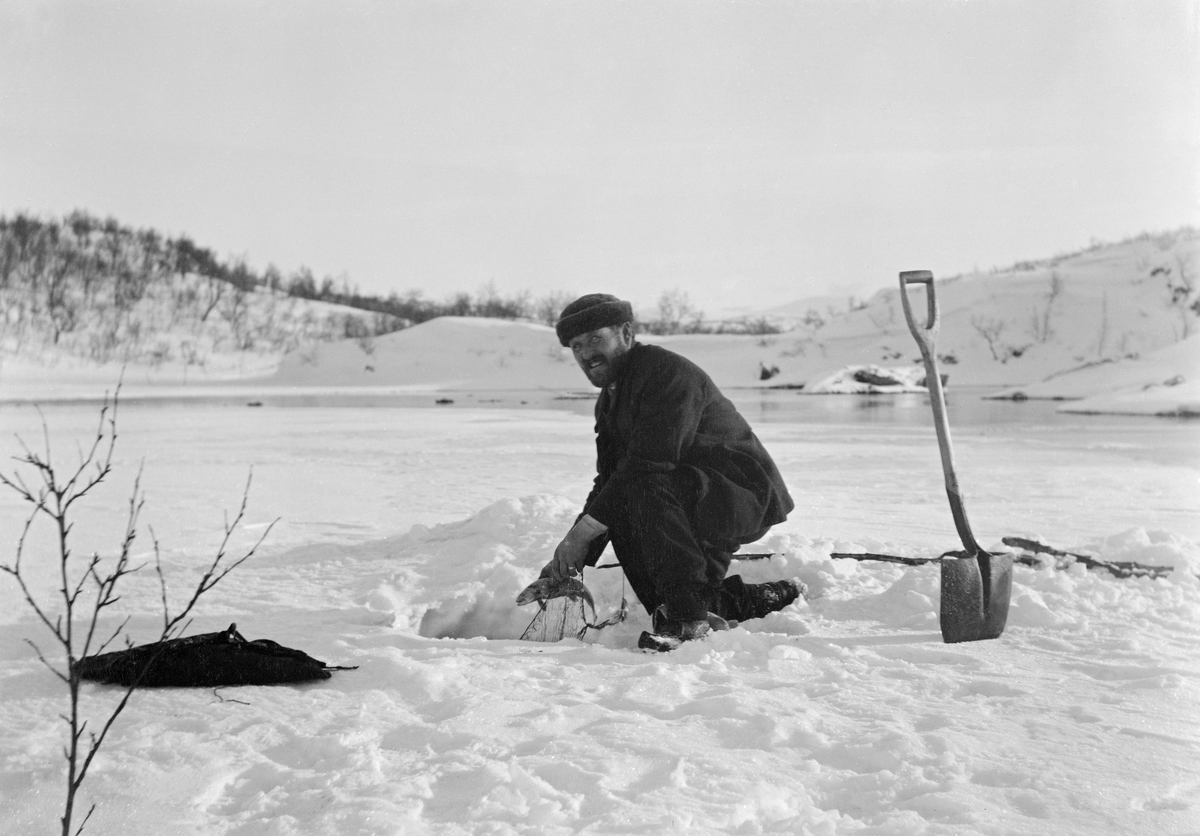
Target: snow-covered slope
x,y
1027,323
444,353
1110,308
163,343
1163,382
1013,327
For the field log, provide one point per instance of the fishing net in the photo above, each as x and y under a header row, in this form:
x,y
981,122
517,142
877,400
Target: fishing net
x,y
562,611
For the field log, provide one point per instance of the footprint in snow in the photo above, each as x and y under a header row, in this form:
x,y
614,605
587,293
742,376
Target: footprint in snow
x,y
1117,673
932,722
1082,715
1176,798
987,688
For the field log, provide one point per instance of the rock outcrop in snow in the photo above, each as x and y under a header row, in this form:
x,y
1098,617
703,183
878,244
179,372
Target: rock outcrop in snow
x,y
870,380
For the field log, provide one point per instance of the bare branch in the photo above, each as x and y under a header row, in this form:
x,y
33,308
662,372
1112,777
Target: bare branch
x,y
37,650
91,810
18,485
15,571
223,699
115,634
162,583
88,589
216,572
45,437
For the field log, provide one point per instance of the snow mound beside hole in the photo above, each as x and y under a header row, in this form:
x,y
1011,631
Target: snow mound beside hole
x,y
461,579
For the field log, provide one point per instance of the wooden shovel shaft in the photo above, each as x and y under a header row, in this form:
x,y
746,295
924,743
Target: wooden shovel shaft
x,y
926,341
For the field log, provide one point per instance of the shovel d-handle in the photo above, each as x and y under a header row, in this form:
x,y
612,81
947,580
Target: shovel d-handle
x,y
924,277
926,341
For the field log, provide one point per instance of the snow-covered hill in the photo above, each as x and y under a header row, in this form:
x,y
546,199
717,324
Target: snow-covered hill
x,y
165,339
449,352
1108,306
1165,382
1113,310
1027,323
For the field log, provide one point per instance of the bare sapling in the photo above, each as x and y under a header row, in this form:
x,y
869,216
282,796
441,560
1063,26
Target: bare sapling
x,y
78,612
990,329
1041,320
676,314
885,319
1182,287
1103,336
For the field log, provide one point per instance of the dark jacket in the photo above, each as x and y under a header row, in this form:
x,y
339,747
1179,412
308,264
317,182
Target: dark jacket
x,y
666,415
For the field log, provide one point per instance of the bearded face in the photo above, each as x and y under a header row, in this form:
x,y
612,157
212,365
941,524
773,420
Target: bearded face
x,y
601,353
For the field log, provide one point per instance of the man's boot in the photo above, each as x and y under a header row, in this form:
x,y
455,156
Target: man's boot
x,y
741,601
668,635
765,598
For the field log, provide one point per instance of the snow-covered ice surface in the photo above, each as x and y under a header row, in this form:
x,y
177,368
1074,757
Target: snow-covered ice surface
x,y
406,533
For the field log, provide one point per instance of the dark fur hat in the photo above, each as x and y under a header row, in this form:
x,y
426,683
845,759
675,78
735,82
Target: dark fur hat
x,y
587,313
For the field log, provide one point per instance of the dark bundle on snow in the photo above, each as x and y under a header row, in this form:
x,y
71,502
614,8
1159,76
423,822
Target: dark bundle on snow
x,y
206,660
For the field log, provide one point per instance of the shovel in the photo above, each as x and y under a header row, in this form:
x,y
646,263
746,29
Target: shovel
x,y
976,585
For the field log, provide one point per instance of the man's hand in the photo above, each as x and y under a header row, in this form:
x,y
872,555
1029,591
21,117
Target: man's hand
x,y
572,552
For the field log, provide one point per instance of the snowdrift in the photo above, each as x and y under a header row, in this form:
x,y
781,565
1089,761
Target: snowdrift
x,y
471,571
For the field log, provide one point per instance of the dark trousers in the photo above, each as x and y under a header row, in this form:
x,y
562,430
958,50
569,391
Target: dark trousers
x,y
663,559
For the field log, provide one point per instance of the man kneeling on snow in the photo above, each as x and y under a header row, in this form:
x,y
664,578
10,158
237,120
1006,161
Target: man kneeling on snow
x,y
681,480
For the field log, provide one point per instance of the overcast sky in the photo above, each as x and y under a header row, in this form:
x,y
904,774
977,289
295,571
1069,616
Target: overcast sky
x,y
750,153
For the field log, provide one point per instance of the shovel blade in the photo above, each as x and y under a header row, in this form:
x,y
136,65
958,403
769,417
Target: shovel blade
x,y
975,593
